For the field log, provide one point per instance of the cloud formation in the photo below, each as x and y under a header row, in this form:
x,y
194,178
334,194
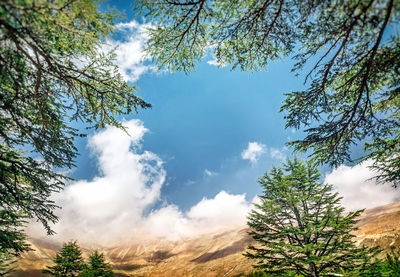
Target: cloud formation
x,y
276,153
129,49
209,173
117,203
358,189
209,215
253,152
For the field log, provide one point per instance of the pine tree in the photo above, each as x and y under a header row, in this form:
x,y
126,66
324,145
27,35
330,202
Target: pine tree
x,y
97,266
68,261
300,225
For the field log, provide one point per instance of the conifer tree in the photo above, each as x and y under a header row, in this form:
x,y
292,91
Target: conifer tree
x,y
68,261
97,266
300,225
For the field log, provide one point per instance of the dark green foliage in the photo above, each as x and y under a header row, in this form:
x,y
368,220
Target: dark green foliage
x,y
6,264
300,225
68,261
393,263
52,72
12,238
387,267
264,274
353,82
97,266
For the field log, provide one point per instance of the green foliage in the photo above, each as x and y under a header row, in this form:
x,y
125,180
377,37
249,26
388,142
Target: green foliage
x,y
52,71
264,274
68,261
258,274
97,266
300,225
352,47
6,264
392,263
12,238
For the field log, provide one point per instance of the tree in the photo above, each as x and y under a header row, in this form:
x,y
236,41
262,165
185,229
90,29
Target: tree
x,y
97,266
68,261
6,264
351,47
300,225
12,239
53,71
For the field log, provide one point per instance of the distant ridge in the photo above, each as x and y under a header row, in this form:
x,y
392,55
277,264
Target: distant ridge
x,y
215,254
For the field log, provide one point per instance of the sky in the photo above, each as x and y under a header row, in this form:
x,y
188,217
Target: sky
x,y
191,163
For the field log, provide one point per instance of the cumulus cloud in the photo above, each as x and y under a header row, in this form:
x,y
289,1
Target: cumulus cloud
x,y
117,204
129,49
253,152
129,181
223,211
358,189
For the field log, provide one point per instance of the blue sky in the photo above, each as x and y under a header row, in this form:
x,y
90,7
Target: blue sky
x,y
192,162
203,121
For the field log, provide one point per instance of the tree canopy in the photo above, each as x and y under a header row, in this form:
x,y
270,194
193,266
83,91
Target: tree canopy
x,y
300,226
68,261
53,71
97,266
349,52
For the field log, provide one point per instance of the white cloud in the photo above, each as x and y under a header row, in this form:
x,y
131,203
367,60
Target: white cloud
x,y
114,205
277,153
129,182
223,211
253,152
129,45
209,173
215,62
357,188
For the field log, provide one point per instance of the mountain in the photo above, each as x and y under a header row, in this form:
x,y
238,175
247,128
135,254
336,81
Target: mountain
x,y
217,254
380,226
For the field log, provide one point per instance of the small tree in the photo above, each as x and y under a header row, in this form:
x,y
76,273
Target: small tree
x,y
97,267
68,261
300,225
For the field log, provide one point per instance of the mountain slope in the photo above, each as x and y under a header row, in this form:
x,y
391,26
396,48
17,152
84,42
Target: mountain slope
x,y
218,254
